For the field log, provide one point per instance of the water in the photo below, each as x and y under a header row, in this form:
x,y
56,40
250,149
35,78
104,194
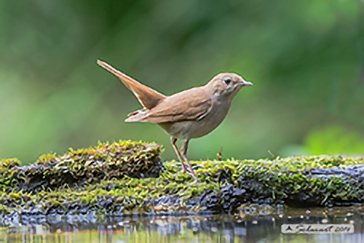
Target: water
x,y
251,224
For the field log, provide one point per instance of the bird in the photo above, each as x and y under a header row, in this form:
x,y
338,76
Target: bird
x,y
186,115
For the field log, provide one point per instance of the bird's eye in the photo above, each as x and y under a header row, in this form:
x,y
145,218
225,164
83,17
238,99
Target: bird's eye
x,y
227,81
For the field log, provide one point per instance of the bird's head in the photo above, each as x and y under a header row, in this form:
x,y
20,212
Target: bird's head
x,y
227,84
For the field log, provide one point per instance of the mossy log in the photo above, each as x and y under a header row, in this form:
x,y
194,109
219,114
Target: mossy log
x,y
128,177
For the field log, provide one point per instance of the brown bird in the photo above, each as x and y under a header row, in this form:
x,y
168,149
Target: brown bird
x,y
192,113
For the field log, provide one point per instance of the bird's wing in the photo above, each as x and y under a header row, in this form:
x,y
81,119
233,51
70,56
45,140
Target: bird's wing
x,y
192,104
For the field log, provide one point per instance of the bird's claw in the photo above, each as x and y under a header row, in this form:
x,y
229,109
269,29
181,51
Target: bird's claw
x,y
187,171
196,181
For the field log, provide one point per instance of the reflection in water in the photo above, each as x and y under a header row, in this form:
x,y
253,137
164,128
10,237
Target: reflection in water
x,y
242,227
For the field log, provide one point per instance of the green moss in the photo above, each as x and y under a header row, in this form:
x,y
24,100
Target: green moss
x,y
9,163
128,177
83,166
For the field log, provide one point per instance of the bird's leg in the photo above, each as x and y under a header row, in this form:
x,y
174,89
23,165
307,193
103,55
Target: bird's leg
x,y
173,142
184,154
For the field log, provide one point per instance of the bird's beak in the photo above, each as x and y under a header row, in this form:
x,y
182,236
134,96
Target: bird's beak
x,y
245,83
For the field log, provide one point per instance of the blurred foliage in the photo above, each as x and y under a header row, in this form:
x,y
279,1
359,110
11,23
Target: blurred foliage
x,y
305,58
334,139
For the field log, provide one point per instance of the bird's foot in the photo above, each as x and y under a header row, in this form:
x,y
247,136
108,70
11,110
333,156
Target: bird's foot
x,y
186,171
196,181
196,172
201,173
183,172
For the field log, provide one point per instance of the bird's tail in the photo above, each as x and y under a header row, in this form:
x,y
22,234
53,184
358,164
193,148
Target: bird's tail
x,y
148,97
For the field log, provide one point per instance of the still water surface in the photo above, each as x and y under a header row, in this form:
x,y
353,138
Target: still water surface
x,y
251,224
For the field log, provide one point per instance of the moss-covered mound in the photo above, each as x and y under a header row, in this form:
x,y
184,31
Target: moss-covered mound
x,y
128,177
82,167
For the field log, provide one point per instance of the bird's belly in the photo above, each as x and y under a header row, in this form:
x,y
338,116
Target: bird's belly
x,y
196,128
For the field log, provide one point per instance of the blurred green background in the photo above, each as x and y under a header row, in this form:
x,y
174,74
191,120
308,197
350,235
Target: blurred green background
x,y
305,58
